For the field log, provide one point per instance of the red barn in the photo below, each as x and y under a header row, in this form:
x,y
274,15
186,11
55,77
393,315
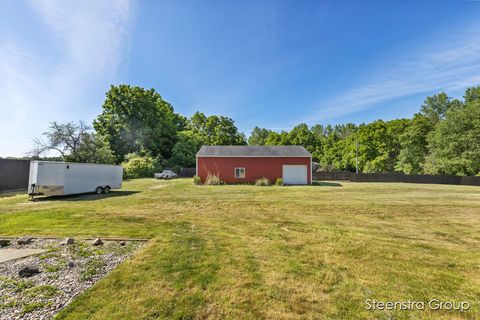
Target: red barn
x,y
237,164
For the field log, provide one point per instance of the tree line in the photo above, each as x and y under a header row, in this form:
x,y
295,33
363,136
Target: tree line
x,y
141,130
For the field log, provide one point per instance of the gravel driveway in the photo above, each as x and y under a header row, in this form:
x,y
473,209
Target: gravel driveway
x,y
65,272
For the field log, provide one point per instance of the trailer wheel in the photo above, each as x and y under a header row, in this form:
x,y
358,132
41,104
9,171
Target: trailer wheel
x,y
99,190
106,190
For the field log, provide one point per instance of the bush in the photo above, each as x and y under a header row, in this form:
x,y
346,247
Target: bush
x,y
197,180
213,180
279,182
262,182
139,167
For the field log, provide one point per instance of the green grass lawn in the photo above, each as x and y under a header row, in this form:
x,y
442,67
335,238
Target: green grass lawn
x,y
246,252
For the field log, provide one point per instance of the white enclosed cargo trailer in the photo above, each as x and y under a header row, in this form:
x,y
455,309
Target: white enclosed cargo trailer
x,y
63,178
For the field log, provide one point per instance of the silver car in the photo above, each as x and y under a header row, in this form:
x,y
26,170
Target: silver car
x,y
165,174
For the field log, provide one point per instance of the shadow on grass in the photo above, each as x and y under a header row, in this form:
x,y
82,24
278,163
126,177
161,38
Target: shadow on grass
x,y
326,184
4,194
87,196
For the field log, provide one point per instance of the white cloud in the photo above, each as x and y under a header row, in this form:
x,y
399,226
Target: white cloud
x,y
451,64
93,34
13,99
89,40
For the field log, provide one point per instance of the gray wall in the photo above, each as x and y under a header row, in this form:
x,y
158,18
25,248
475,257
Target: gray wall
x,y
396,177
14,174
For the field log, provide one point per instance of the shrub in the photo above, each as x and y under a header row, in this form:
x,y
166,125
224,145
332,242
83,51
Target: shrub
x,y
279,182
213,180
139,167
197,180
262,182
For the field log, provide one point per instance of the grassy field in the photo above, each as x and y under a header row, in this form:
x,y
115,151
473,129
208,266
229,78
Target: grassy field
x,y
246,252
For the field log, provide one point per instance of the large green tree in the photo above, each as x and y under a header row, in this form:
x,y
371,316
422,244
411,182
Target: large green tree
x,y
185,150
277,139
472,94
301,135
216,130
202,130
318,131
455,143
414,145
259,136
379,144
74,142
62,138
435,107
136,120
92,149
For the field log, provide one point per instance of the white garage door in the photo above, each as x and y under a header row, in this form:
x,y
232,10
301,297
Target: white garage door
x,y
295,174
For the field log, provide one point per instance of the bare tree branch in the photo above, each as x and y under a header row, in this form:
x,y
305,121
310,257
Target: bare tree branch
x,y
61,137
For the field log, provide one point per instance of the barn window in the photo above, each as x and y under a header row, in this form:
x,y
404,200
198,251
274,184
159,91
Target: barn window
x,y
239,172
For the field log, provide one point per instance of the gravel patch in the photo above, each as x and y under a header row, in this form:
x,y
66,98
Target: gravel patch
x,y
65,272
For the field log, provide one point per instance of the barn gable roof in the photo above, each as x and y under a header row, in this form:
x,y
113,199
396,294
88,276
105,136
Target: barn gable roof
x,y
253,151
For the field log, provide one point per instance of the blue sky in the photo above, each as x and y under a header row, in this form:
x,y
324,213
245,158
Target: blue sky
x,y
272,64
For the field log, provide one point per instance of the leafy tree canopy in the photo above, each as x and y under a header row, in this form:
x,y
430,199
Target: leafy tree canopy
x,y
74,143
414,145
258,136
216,130
185,150
435,107
472,94
455,144
136,120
